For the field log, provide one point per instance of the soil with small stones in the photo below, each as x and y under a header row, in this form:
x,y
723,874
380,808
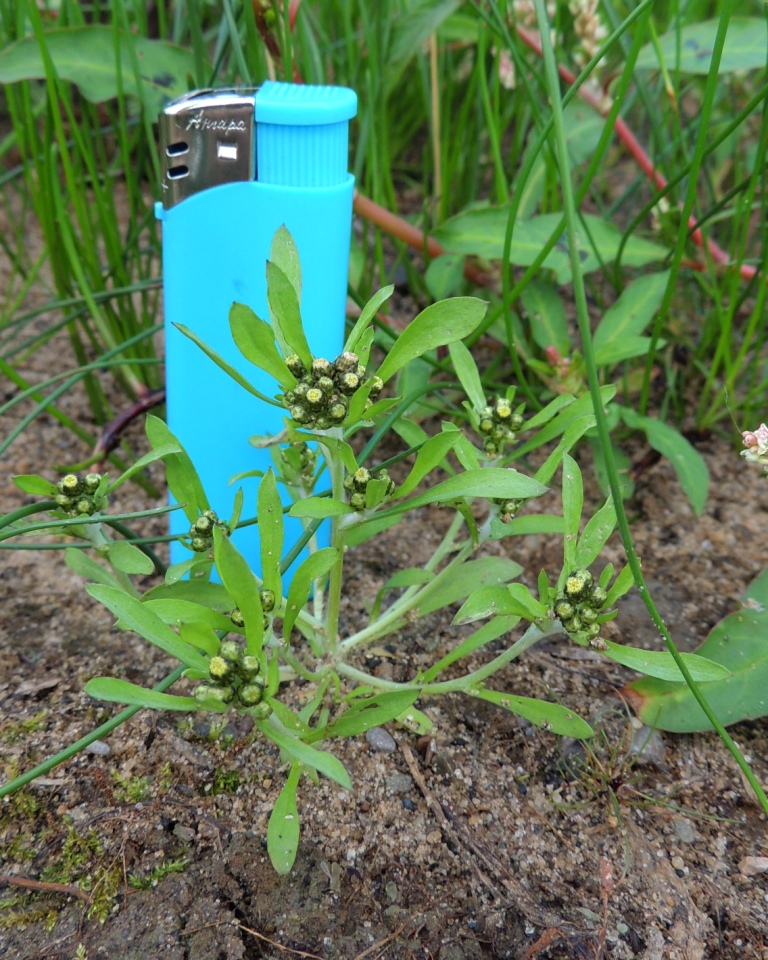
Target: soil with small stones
x,y
488,838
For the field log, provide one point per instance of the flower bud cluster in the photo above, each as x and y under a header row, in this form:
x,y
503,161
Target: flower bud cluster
x,y
77,497
507,508
320,399
499,424
756,443
356,485
579,606
233,677
267,598
201,531
588,27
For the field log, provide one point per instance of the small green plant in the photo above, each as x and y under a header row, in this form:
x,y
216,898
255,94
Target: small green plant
x,y
240,640
152,879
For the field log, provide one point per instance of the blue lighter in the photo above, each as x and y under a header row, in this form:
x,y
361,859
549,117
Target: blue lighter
x,y
237,166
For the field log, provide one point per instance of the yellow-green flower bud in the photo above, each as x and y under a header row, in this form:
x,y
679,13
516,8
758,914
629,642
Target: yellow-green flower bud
x,y
251,693
326,385
85,507
231,651
203,692
361,477
91,482
516,422
295,365
485,426
598,598
564,609
348,382
579,584
201,544
592,630
261,711
64,501
346,363
249,666
503,410
203,526
300,414
587,614
337,411
237,618
377,385
70,485
357,501
574,625
267,598
314,398
322,367
220,669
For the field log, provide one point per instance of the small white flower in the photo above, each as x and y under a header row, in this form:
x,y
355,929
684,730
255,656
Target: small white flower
x,y
756,442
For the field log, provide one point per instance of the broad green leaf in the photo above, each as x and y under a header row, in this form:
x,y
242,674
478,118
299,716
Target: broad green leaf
x,y
661,664
242,586
319,760
481,231
465,368
530,523
135,615
573,501
315,567
291,721
194,566
412,29
129,559
550,411
746,47
255,339
631,313
688,463
619,350
431,455
546,316
285,314
416,721
39,486
534,609
491,483
222,364
283,827
453,584
174,611
599,527
737,643
319,508
285,254
549,716
372,712
86,567
583,128
183,481
756,594
441,323
486,634
445,275
85,56
357,411
120,691
367,314
270,513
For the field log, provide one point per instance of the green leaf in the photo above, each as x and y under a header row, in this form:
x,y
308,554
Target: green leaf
x,y
86,57
445,275
39,486
204,592
319,508
453,584
283,827
661,664
201,637
746,47
546,316
578,410
737,643
688,463
174,611
158,453
372,712
413,28
367,314
481,232
129,559
549,716
573,502
242,586
255,339
620,350
600,526
271,532
319,760
285,314
583,128
491,601
441,323
222,364
431,455
486,634
621,586
533,523
465,369
632,312
87,568
137,617
183,481
490,483
285,254
315,567
120,691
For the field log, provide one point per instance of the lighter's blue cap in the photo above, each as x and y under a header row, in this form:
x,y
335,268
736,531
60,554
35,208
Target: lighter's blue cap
x,y
302,134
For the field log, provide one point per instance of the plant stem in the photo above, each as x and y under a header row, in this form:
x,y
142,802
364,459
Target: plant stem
x,y
336,473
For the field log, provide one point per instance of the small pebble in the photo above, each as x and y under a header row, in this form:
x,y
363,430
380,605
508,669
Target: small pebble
x,y
684,831
379,740
99,749
647,744
678,863
751,866
409,804
398,783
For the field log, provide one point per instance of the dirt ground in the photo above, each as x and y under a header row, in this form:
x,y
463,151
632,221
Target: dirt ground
x,y
488,839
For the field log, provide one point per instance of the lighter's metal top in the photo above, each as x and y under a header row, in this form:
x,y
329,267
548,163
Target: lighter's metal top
x,y
206,139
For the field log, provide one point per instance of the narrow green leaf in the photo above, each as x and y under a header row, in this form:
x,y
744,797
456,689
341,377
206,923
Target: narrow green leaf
x,y
431,455
319,760
120,691
491,601
89,569
315,567
416,25
255,339
242,586
465,368
534,609
183,481
453,584
319,507
573,501
596,534
688,463
551,410
283,828
661,664
158,453
129,559
373,712
580,409
491,483
39,486
285,254
285,314
200,636
367,314
621,585
486,634
690,49
271,532
441,323
549,716
175,611
135,615
619,350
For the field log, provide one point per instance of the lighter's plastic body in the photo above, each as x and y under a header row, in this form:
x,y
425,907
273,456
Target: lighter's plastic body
x,y
216,244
